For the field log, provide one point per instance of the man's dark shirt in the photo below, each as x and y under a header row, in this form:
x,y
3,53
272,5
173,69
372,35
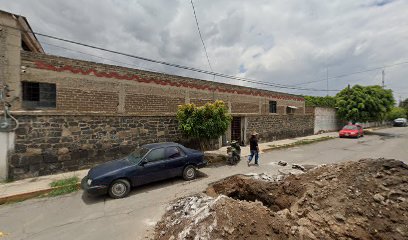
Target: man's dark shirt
x,y
253,143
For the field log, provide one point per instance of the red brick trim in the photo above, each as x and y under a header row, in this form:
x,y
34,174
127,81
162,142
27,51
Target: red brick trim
x,y
115,75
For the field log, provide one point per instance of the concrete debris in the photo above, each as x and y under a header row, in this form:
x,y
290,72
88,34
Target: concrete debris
x,y
297,166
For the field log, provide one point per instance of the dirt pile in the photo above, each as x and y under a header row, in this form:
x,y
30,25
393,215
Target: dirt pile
x,y
355,200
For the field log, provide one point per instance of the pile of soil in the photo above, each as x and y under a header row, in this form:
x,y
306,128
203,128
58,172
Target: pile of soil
x,y
367,199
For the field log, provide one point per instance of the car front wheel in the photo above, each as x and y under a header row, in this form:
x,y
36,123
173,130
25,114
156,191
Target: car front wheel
x,y
189,173
119,188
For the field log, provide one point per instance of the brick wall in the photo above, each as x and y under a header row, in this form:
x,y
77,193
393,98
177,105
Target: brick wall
x,y
274,127
125,90
139,103
86,100
52,144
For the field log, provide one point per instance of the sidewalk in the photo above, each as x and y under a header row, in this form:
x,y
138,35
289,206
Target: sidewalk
x,y
270,145
32,187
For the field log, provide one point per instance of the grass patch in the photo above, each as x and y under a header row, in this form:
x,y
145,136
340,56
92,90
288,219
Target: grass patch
x,y
300,142
64,186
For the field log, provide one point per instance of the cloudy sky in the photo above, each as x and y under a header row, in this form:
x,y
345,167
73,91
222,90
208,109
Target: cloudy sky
x,y
279,42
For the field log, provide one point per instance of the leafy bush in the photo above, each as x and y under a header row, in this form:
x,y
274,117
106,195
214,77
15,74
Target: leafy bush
x,y
204,123
314,101
396,112
361,104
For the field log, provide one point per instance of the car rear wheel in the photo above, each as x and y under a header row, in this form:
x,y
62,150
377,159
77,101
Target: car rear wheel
x,y
119,188
189,173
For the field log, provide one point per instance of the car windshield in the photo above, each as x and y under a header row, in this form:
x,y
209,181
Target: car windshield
x,y
138,154
350,127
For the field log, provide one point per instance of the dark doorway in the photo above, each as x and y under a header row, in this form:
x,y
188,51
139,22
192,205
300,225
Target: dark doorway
x,y
236,129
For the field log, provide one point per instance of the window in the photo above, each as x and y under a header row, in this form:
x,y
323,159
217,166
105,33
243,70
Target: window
x,y
291,109
272,106
155,155
173,152
39,95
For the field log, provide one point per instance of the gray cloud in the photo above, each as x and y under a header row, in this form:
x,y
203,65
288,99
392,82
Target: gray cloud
x,y
285,42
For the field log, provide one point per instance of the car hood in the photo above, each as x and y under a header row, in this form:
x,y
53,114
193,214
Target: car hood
x,y
109,167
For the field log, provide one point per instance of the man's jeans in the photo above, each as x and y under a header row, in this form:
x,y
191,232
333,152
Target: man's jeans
x,y
253,152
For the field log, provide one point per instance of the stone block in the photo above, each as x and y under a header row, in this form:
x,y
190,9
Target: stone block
x,y
50,158
33,151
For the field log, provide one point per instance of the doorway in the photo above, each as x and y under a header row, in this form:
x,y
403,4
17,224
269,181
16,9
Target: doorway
x,y
236,129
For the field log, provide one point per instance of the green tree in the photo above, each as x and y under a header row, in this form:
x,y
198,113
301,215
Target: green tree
x,y
364,103
314,101
203,123
404,104
396,112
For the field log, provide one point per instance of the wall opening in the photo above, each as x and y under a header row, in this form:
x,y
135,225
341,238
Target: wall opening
x,y
38,95
272,107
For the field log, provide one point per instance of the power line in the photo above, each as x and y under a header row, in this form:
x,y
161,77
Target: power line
x,y
172,64
357,72
201,37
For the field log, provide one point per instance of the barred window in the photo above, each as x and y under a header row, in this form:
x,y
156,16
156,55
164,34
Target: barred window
x,y
39,95
272,106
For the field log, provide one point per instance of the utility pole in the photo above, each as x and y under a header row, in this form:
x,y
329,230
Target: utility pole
x,y
383,75
327,80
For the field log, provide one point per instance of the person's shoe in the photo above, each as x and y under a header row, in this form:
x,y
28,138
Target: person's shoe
x,y
257,164
248,163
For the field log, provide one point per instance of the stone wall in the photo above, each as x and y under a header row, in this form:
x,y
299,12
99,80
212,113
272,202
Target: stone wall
x,y
275,127
52,144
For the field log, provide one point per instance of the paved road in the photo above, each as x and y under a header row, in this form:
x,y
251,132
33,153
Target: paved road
x,y
76,216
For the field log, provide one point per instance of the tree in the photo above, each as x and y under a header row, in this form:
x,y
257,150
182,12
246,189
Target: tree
x,y
314,101
361,104
404,104
203,123
397,112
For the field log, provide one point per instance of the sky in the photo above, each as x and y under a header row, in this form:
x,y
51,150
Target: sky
x,y
273,41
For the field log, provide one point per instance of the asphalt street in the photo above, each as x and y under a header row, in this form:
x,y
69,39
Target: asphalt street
x,y
76,216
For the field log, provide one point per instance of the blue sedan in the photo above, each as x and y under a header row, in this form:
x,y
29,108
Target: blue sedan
x,y
149,163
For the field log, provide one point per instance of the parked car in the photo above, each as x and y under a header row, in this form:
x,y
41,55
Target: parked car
x,y
352,130
400,122
149,163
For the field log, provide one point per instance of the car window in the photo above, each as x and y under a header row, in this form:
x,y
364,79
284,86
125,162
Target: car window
x,y
350,127
174,152
156,155
138,154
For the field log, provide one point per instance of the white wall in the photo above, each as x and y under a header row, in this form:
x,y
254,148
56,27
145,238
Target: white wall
x,y
6,145
325,120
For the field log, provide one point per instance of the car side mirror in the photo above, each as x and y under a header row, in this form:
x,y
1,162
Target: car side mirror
x,y
143,162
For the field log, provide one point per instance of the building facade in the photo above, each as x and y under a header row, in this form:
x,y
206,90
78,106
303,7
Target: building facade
x,y
73,114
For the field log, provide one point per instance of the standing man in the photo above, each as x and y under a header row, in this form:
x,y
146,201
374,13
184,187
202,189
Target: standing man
x,y
253,146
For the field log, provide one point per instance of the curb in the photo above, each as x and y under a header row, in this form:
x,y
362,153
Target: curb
x,y
24,196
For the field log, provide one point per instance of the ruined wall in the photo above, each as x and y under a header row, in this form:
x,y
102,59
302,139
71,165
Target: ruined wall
x,y
52,144
275,127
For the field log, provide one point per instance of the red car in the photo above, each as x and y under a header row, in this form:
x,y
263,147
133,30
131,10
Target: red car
x,y
351,130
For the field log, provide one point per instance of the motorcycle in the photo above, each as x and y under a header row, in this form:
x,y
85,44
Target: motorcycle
x,y
234,153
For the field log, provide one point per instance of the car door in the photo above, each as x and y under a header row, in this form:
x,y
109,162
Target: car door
x,y
175,161
153,167
360,130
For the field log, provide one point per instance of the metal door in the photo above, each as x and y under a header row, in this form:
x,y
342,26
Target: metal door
x,y
236,129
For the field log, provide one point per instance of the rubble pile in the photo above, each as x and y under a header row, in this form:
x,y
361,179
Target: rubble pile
x,y
367,199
